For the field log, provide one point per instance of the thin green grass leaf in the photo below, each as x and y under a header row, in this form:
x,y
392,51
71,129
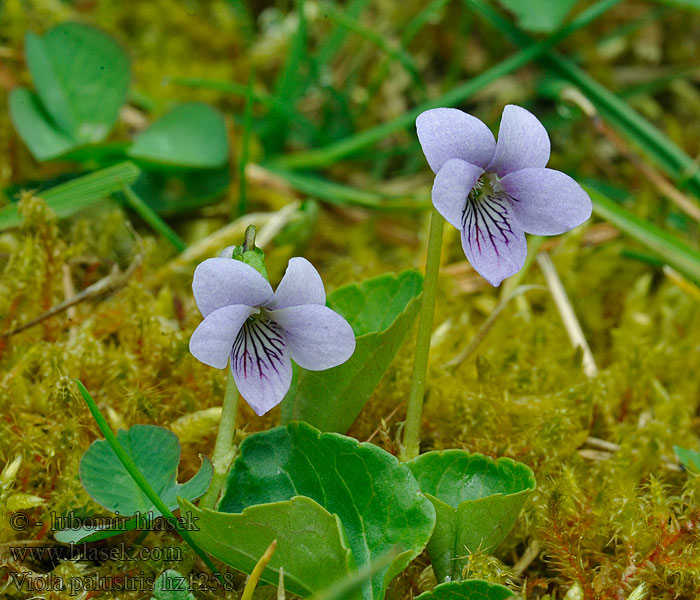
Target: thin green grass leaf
x,y
328,155
133,470
339,194
398,54
668,247
136,203
662,150
68,198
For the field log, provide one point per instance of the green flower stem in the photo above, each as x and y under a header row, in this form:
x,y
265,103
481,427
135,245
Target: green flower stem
x,y
223,450
414,411
133,470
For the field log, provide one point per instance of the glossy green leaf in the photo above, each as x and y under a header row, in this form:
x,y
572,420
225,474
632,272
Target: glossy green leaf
x,y
81,76
381,312
71,197
376,498
156,452
539,15
477,501
192,135
311,545
472,589
170,585
43,138
690,459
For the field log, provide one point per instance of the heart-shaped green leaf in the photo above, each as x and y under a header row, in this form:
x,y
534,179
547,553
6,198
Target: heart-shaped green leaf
x,y
472,589
375,498
156,452
381,312
311,544
477,500
81,76
43,138
192,135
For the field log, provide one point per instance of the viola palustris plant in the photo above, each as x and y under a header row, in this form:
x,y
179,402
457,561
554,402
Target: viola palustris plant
x,y
301,412
495,192
261,331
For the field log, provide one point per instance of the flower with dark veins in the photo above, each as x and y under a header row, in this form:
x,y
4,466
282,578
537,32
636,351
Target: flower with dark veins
x,y
495,192
261,331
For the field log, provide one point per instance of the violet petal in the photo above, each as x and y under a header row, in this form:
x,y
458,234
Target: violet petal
x,y
545,201
446,133
451,187
522,142
220,282
213,339
318,337
492,240
261,364
301,284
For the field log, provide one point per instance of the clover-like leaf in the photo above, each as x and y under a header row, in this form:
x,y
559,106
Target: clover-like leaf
x,y
690,459
43,137
376,501
81,76
477,501
471,589
170,585
156,452
192,135
381,312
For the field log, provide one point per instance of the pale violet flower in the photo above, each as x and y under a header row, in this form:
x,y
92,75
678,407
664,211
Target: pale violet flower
x,y
495,192
261,331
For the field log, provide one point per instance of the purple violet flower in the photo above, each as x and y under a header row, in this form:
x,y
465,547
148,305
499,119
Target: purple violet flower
x,y
494,192
263,332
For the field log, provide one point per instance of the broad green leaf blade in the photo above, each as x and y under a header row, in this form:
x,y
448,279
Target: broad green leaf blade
x,y
311,546
44,140
539,15
472,589
81,76
170,585
192,135
477,501
672,250
375,497
156,453
71,197
381,312
690,459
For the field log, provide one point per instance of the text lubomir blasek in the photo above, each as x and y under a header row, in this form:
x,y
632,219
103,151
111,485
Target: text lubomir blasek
x,y
138,522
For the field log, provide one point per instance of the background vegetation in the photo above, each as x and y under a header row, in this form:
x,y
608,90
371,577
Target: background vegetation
x,y
319,100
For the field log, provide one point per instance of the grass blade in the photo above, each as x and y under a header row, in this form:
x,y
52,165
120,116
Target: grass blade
x,y
669,157
134,201
133,470
322,157
668,247
69,198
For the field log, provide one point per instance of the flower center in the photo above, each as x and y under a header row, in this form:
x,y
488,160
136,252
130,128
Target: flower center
x,y
487,186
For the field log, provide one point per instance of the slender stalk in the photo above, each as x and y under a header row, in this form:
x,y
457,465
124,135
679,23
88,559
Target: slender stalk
x,y
411,435
223,449
137,476
151,217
